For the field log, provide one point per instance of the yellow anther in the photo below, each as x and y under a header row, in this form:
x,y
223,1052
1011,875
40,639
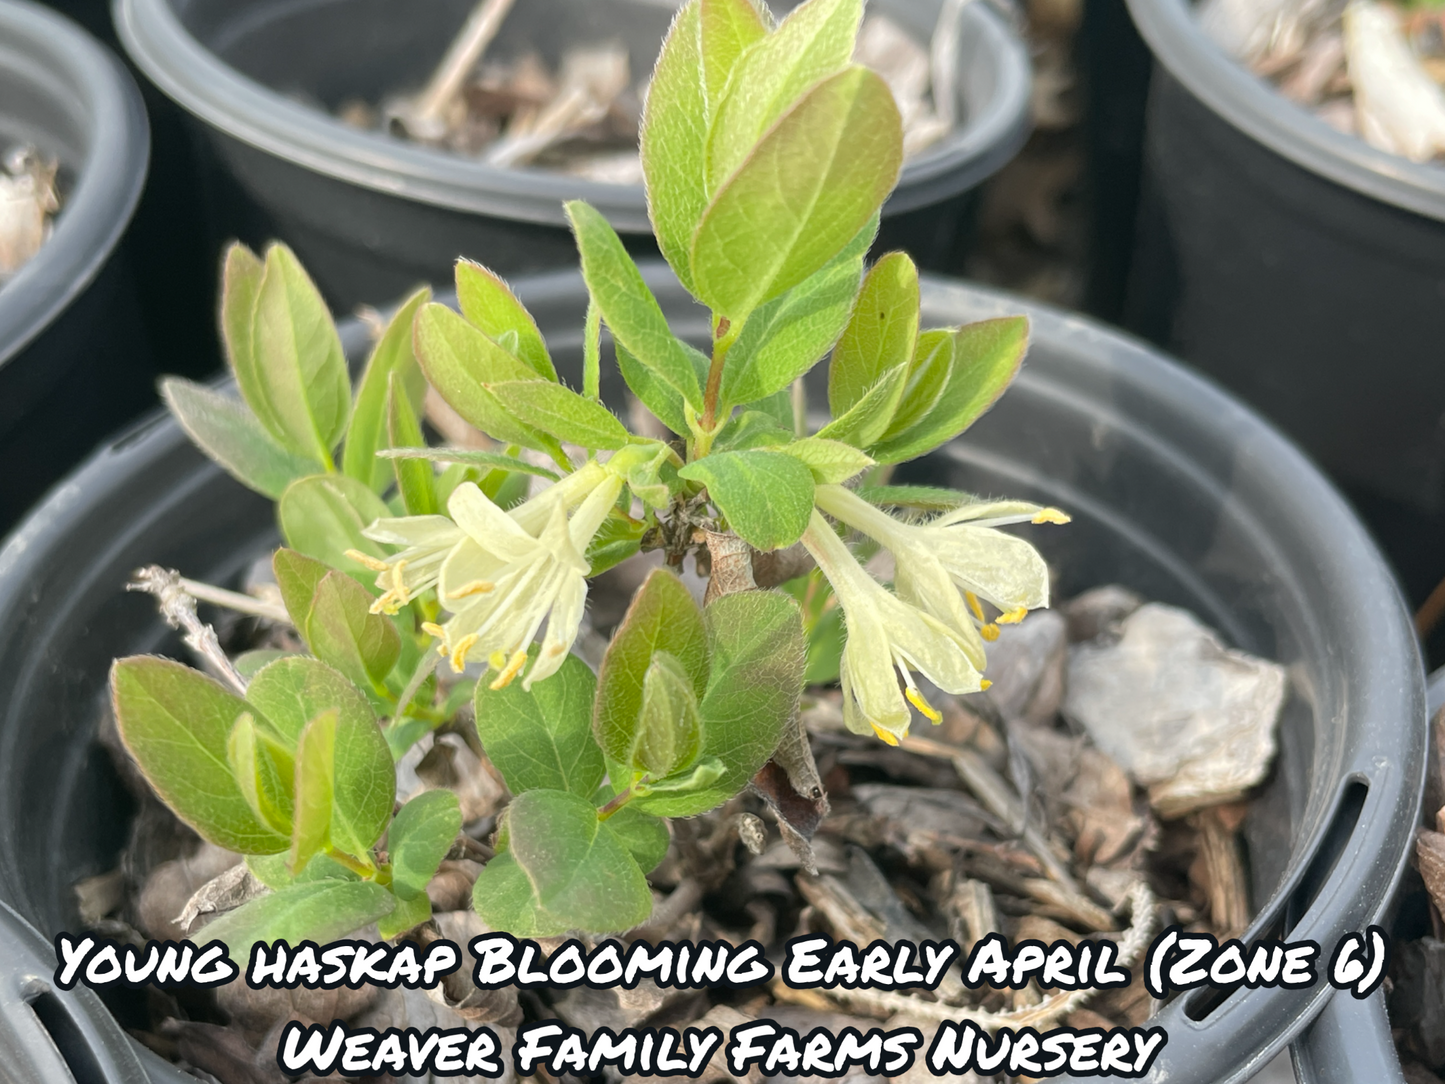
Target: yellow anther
x,y
887,736
476,587
497,660
398,585
387,604
989,633
974,604
514,667
1013,617
1051,515
916,699
459,652
984,684
431,628
368,561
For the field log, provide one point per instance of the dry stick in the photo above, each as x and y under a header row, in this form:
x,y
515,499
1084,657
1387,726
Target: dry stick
x,y
1053,1007
235,600
179,610
451,74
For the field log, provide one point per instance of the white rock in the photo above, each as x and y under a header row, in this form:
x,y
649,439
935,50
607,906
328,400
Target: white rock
x,y
1188,718
1398,107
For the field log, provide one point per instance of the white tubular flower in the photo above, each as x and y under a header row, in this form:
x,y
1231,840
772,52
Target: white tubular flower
x,y
886,634
427,541
506,576
960,551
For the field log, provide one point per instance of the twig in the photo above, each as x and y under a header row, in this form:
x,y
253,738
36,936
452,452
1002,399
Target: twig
x,y
179,609
1053,1007
235,600
423,116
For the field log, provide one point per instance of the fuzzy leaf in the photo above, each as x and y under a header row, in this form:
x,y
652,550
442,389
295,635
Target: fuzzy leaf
x,y
831,461
489,305
767,496
631,312
881,333
869,416
419,838
563,413
292,691
785,337
406,915
619,537
927,377
815,41
263,772
503,896
543,738
579,873
298,358
322,516
473,458
241,276
366,435
751,429
176,722
645,836
662,616
414,477
924,498
758,654
801,195
727,28
668,730
315,776
318,911
228,432
987,355
460,361
341,631
271,871
656,394
297,576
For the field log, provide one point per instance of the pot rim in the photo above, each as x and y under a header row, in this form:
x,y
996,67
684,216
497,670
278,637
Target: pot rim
x,y
58,58
254,114
1253,106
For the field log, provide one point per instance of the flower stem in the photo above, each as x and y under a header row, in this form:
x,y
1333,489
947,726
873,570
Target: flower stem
x,y
621,799
725,333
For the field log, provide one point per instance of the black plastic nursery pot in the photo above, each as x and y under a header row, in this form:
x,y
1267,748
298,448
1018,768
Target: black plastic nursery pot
x,y
371,215
1177,491
1304,270
74,364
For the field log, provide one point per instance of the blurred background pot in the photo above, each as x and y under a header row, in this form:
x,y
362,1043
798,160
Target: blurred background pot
x,y
1304,270
371,215
1177,492
74,364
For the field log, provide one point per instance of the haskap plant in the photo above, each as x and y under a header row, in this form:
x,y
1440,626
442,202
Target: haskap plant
x,y
768,154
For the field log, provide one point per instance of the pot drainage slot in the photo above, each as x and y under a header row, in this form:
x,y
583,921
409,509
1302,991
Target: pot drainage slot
x,y
68,1038
1333,845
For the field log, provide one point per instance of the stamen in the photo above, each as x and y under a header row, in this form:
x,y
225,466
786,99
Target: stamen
x,y
916,699
989,633
519,660
974,605
1013,617
368,561
1050,515
984,684
398,585
476,587
431,628
497,660
884,734
459,652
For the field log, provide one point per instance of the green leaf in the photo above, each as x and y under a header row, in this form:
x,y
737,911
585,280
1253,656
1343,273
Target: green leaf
x,y
751,429
869,416
766,496
631,312
460,361
645,836
728,27
241,276
503,891
815,41
543,738
619,537
249,663
831,461
699,777
297,576
263,772
176,724
669,732
419,838
292,692
801,195
299,359
229,433
579,874
784,338
319,911
271,871
490,306
315,777
414,478
881,333
473,458
927,377
756,679
341,631
673,140
322,516
662,616
563,413
407,915
366,435
656,394
987,356
925,498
